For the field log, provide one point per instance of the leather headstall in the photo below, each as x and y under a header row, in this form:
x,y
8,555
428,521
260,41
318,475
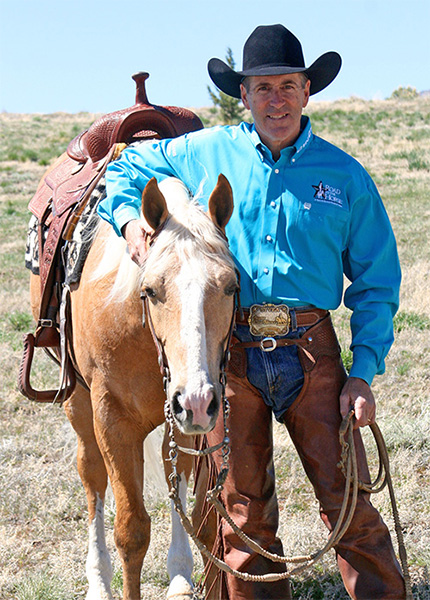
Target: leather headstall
x,y
146,316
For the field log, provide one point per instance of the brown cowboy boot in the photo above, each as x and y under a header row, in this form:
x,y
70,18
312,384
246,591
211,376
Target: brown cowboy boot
x,y
249,494
365,554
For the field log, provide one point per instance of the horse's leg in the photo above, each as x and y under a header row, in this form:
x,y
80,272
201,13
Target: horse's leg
x,y
179,558
93,474
120,440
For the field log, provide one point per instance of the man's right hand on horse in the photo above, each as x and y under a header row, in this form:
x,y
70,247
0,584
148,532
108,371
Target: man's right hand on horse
x,y
135,233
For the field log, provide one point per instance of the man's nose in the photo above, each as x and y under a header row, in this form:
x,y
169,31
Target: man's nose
x,y
277,98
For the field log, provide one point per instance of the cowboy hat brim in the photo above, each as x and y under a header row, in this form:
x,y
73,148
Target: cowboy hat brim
x,y
321,73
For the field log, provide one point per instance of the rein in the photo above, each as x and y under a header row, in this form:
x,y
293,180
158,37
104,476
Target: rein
x,y
165,371
348,465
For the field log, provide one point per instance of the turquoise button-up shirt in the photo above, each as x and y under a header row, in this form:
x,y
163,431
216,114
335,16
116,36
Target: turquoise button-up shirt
x,y
299,224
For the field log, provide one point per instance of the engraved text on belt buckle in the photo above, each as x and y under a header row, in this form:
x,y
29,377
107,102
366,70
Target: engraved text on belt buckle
x,y
269,319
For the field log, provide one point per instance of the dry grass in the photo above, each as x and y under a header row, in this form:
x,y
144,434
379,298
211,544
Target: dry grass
x,y
43,533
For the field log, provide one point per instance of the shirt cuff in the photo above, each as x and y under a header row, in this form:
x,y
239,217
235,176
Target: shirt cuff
x,y
124,215
364,364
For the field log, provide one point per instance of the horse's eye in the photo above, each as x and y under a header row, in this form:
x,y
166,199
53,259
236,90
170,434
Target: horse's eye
x,y
150,292
231,290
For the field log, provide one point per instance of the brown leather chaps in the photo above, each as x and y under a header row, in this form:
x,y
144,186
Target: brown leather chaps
x,y
365,554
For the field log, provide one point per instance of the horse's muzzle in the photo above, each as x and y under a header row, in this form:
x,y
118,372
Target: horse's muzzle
x,y
195,412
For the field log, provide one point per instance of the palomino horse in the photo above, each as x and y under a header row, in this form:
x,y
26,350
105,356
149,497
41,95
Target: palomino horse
x,y
190,281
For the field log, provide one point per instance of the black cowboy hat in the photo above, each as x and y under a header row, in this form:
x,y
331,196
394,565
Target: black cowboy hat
x,y
273,50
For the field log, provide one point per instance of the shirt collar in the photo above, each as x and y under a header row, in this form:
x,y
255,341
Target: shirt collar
x,y
255,138
304,138
296,150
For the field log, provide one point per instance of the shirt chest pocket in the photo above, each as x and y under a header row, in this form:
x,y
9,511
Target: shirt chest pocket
x,y
322,224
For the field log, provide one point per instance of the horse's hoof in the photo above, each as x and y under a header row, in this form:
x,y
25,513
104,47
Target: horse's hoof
x,y
97,594
180,589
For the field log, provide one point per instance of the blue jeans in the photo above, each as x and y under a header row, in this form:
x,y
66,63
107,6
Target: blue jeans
x,y
277,375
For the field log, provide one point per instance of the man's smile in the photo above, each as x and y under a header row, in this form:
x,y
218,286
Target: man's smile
x,y
278,117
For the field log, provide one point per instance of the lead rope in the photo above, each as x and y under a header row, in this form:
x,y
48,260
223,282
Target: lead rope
x,y
348,465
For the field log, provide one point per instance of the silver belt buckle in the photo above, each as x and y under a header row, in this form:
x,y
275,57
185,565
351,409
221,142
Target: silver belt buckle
x,y
269,320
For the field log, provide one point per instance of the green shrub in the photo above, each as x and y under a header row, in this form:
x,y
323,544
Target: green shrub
x,y
404,93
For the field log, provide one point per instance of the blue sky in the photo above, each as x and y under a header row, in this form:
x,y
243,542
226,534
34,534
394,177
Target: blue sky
x,y
79,55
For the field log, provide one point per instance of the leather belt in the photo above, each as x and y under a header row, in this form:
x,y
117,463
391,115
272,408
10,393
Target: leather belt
x,y
304,317
270,340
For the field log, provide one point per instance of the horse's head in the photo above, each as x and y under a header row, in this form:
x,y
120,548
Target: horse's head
x,y
190,283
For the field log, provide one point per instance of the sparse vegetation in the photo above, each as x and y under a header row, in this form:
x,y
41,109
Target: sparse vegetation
x,y
37,138
41,586
43,528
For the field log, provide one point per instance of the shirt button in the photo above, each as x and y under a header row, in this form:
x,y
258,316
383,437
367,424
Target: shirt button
x,y
268,238
265,270
276,171
293,160
273,204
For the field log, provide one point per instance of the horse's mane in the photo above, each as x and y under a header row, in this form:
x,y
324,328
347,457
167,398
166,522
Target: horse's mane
x,y
188,233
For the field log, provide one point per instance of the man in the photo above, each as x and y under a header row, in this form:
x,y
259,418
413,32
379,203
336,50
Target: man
x,y
305,214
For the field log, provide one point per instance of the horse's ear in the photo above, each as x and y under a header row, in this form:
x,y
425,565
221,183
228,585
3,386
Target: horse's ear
x,y
221,202
154,207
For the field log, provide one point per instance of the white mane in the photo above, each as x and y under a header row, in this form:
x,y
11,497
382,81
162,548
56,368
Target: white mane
x,y
188,233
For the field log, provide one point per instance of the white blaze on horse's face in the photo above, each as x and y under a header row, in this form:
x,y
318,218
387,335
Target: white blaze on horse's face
x,y
197,392
191,281
191,311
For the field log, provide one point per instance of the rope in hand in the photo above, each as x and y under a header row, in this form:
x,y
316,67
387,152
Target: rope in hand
x,y
372,488
348,465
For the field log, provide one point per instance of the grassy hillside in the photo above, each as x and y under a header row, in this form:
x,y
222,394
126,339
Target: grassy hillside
x,y
43,533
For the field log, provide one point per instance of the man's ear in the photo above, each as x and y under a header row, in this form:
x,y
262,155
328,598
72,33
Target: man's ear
x,y
307,93
244,96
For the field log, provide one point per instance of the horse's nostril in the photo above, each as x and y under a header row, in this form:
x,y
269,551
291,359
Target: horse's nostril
x,y
213,406
176,405
180,412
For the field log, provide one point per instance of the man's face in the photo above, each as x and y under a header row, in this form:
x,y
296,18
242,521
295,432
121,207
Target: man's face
x,y
276,103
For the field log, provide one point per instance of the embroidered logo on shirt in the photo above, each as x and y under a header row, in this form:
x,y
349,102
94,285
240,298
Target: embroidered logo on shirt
x,y
327,193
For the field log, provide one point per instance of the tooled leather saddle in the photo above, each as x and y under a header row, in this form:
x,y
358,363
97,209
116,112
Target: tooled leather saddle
x,y
60,200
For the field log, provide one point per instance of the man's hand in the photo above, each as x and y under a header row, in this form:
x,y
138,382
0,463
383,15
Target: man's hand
x,y
356,394
134,233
